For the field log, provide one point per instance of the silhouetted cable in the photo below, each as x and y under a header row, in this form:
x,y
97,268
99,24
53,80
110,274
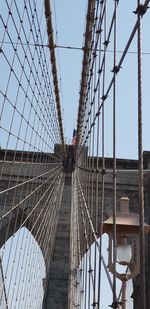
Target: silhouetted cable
x,y
80,48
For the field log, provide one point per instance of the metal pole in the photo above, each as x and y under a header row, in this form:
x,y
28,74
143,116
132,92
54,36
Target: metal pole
x,y
124,288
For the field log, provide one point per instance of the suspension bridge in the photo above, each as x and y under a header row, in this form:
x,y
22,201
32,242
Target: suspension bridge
x,y
57,200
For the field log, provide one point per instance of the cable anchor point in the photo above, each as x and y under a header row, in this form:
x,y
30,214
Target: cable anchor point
x,y
141,9
115,305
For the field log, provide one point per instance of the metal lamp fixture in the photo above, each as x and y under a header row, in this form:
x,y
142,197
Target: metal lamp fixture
x,y
127,247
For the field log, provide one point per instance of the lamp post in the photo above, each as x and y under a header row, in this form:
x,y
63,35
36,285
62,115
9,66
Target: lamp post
x,y
127,247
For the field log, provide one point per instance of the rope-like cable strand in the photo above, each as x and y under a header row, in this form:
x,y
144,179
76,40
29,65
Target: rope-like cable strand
x,y
31,171
94,233
103,166
54,69
115,305
140,159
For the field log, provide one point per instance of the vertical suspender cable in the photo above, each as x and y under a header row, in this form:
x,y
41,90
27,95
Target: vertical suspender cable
x,y
114,161
103,164
140,160
4,288
90,197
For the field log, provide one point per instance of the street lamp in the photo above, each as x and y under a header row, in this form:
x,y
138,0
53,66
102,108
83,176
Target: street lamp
x,y
127,246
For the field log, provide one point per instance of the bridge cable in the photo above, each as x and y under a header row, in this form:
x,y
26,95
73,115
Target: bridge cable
x,y
140,160
48,14
32,172
115,304
103,157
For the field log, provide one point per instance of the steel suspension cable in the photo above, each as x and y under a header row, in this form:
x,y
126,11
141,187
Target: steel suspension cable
x,y
115,305
31,170
94,234
88,173
140,160
54,69
103,163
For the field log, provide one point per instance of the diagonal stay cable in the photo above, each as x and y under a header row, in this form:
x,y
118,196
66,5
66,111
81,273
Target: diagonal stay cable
x,y
34,208
94,233
28,196
27,181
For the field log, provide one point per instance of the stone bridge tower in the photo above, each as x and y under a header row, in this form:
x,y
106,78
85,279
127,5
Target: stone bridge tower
x,y
59,272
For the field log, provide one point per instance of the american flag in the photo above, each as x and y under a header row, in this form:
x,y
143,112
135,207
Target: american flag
x,y
74,137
